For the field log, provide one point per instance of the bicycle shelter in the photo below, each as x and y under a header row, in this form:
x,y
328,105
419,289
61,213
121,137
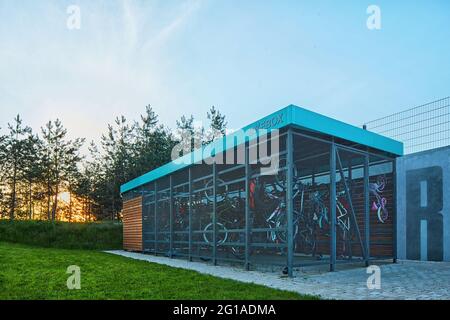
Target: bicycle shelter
x,y
293,189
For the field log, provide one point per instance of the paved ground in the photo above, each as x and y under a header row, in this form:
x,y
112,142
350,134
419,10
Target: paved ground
x,y
404,280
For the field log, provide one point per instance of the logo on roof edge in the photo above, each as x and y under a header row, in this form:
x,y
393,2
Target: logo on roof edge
x,y
270,123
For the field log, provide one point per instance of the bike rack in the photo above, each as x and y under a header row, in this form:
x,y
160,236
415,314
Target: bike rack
x,y
188,244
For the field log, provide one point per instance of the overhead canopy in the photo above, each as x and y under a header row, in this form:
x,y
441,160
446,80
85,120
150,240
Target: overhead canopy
x,y
288,116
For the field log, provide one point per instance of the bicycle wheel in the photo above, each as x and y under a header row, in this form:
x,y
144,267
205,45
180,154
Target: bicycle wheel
x,y
281,223
307,242
266,196
221,192
306,234
221,237
237,250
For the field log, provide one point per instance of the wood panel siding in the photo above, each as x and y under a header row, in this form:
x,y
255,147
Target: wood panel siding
x,y
132,224
381,234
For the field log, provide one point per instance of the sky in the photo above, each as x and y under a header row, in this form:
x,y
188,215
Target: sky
x,y
248,58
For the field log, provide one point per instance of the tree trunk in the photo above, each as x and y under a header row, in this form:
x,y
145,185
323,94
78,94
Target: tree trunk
x,y
89,209
30,203
70,206
13,194
48,199
113,209
55,203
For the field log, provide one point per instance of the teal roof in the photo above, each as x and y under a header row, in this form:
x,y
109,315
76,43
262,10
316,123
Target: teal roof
x,y
290,115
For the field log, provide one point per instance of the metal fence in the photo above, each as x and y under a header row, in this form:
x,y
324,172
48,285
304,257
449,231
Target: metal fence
x,y
421,128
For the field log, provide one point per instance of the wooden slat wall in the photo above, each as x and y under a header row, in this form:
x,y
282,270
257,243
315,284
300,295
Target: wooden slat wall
x,y
132,224
381,234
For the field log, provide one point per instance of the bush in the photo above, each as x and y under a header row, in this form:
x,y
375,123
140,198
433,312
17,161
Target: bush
x,y
65,235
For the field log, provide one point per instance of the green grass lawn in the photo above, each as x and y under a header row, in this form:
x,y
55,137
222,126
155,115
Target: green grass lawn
x,y
40,273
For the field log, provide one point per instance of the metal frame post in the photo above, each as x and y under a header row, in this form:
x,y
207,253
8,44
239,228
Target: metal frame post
x,y
350,194
247,208
156,219
290,204
171,216
214,217
366,209
333,206
190,214
394,216
350,203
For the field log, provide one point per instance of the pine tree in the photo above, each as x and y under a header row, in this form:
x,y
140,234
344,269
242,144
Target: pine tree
x,y
153,143
117,146
33,171
15,148
218,125
61,157
189,137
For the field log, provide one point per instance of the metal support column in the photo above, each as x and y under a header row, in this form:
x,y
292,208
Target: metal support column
x,y
350,203
350,175
333,205
290,202
156,219
366,210
190,214
247,208
214,217
171,216
394,215
350,188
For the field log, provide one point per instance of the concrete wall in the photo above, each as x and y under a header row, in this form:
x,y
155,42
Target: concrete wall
x,y
423,205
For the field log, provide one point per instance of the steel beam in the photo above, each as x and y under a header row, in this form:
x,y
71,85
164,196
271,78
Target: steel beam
x,y
350,202
394,213
156,215
190,214
247,209
350,188
349,148
366,210
290,202
214,217
171,220
333,206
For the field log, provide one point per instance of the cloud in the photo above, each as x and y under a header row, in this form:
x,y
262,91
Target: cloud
x,y
165,33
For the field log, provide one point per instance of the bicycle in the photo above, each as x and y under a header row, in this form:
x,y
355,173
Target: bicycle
x,y
228,204
270,197
379,206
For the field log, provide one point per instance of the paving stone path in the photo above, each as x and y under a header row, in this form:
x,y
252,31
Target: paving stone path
x,y
403,280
